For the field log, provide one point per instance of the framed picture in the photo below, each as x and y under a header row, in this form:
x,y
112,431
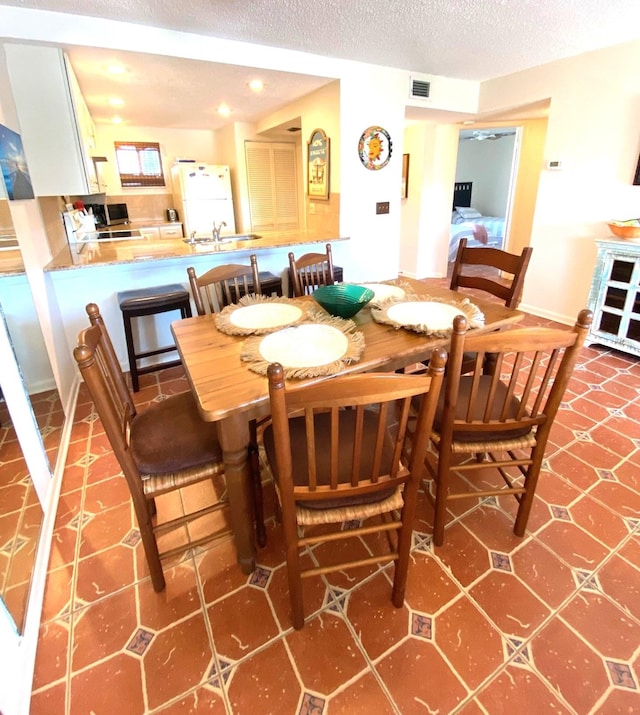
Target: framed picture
x,y
13,164
636,180
318,160
405,176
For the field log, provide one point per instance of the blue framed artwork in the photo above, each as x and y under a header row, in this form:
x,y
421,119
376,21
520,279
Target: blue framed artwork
x,y
13,164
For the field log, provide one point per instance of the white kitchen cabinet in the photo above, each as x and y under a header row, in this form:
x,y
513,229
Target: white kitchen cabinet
x,y
56,127
151,232
173,231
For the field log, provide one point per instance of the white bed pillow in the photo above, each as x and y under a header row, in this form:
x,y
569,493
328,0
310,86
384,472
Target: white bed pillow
x,y
468,212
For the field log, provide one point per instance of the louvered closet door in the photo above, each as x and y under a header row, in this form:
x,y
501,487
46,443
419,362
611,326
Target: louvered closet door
x,y
273,186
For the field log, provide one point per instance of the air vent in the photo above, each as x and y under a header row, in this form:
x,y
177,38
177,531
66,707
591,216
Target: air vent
x,y
420,89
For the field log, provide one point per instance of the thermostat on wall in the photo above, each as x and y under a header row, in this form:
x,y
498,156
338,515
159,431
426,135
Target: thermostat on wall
x,y
554,165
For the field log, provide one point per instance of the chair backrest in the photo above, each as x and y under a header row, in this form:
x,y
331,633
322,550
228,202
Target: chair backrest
x,y
532,367
107,386
377,429
509,290
310,271
223,285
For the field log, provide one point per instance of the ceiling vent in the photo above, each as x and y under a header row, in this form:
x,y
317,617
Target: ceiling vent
x,y
419,89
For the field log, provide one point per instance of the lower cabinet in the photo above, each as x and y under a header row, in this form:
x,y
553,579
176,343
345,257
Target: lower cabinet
x,y
615,296
173,231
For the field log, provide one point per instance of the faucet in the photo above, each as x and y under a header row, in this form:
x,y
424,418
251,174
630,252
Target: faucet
x,y
216,231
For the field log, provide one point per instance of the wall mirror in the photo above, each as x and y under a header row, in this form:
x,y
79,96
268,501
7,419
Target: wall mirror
x,y
31,424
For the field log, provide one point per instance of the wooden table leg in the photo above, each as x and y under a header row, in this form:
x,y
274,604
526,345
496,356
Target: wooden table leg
x,y
234,438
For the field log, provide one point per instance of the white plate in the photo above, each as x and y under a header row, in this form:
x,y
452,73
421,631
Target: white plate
x,y
382,291
435,316
307,345
265,315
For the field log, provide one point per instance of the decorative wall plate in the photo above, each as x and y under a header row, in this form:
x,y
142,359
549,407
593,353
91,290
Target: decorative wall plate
x,y
374,148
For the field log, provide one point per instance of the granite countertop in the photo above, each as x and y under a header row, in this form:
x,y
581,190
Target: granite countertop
x,y
106,252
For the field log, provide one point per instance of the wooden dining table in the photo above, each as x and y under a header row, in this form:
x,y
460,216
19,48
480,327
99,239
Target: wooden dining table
x,y
229,393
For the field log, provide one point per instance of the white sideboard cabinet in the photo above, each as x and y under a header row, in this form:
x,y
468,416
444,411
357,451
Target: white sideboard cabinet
x,y
615,296
57,130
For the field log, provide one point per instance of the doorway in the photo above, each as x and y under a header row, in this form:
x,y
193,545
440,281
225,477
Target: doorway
x,y
486,170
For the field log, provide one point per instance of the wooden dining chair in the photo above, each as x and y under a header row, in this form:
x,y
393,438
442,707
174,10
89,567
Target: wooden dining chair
x,y
165,447
333,465
499,421
223,285
310,271
508,289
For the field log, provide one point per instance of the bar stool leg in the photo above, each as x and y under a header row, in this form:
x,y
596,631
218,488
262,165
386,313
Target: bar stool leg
x,y
131,353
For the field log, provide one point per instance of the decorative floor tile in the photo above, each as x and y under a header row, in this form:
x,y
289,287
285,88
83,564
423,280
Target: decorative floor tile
x,y
497,621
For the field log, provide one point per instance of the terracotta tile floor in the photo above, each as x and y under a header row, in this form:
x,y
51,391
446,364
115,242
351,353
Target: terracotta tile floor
x,y
491,623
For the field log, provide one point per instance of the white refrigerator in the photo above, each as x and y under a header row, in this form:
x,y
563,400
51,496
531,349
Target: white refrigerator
x,y
202,196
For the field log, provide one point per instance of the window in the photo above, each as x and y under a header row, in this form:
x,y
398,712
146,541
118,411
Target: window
x,y
139,164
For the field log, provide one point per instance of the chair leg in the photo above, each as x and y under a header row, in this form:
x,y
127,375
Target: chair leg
x,y
405,536
150,545
526,502
256,483
441,484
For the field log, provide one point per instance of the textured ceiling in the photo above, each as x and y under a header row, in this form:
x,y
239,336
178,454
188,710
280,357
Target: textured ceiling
x,y
464,39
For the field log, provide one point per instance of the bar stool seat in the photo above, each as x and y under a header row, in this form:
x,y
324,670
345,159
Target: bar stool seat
x,y
270,283
150,301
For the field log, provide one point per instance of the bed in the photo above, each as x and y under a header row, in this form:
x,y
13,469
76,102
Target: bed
x,y
468,222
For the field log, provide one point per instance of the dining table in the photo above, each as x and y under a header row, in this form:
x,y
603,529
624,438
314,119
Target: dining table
x,y
231,394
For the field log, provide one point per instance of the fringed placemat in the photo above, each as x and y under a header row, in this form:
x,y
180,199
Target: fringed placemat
x,y
427,315
259,314
311,349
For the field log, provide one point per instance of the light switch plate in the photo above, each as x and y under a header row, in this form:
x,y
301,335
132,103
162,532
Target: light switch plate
x,y
382,207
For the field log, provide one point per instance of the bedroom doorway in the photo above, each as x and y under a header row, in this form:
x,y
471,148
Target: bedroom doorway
x,y
486,170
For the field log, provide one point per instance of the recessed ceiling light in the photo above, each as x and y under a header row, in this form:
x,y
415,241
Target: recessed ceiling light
x,y
224,110
257,85
116,102
117,69
116,120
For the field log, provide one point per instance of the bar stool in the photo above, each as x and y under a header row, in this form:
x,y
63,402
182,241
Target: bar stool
x,y
150,301
270,283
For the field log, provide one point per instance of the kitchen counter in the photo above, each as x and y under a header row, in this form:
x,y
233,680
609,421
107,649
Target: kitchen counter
x,y
109,252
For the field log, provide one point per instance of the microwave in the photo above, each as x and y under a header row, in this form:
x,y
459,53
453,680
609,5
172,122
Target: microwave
x,y
109,214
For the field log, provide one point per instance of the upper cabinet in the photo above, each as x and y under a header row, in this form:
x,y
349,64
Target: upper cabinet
x,y
57,130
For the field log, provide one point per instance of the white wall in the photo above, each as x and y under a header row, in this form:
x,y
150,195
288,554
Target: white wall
x,y
594,129
488,165
175,144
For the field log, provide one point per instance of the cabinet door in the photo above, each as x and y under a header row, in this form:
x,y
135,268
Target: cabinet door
x,y
174,231
151,232
615,301
40,87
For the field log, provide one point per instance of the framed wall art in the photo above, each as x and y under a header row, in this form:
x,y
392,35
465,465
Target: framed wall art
x,y
405,176
13,165
318,165
374,148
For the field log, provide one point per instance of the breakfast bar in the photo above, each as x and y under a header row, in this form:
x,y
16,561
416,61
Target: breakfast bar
x,y
95,271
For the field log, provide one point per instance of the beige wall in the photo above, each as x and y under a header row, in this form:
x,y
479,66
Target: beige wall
x,y
594,130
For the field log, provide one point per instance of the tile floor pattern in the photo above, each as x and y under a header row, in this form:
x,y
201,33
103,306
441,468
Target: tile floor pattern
x,y
20,511
492,623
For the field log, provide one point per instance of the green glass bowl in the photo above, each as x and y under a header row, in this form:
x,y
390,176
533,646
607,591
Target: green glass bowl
x,y
343,300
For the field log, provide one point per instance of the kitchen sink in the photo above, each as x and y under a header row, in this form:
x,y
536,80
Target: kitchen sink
x,y
200,240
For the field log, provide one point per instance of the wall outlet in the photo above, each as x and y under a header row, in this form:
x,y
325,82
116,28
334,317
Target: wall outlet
x,y
312,207
382,207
